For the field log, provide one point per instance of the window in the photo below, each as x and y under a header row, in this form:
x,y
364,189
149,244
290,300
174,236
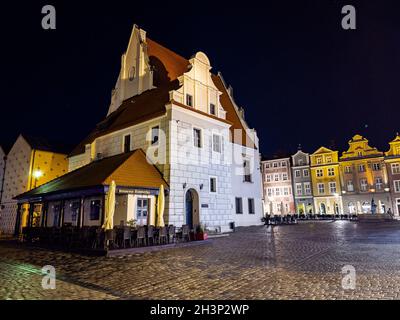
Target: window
x,y
155,133
197,138
285,177
350,186
286,191
363,184
251,206
142,208
299,189
127,143
320,173
361,168
213,184
332,187
347,169
331,172
275,165
306,173
247,171
321,188
217,144
319,160
395,168
359,153
300,162
283,163
270,192
328,159
239,205
132,73
75,207
212,109
276,177
397,186
268,178
95,206
297,174
307,188
189,100
277,191
267,165
376,166
378,183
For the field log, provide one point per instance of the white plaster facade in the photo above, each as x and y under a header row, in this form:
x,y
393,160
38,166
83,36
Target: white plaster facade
x,y
16,181
186,166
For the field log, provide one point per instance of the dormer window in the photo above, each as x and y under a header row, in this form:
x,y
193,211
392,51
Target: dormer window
x,y
189,100
212,109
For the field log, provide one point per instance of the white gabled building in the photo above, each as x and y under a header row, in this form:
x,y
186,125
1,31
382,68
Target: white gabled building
x,y
186,121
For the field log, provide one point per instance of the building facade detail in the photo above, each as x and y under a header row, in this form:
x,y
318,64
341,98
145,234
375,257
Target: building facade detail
x,y
302,183
31,162
325,177
364,180
277,183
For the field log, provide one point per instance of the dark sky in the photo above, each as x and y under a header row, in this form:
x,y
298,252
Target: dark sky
x,y
300,77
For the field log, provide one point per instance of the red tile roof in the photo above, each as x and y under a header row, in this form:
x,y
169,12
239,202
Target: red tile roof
x,y
151,104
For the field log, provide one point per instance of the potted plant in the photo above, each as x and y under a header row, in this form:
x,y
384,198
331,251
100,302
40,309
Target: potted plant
x,y
201,233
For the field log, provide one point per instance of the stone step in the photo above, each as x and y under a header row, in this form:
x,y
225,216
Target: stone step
x,y
374,217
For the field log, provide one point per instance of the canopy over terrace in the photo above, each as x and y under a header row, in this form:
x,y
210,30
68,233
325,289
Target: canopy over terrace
x,y
78,198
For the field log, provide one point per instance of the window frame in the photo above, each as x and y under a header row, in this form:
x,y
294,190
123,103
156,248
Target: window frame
x,y
199,130
238,200
189,98
251,205
124,142
215,185
220,143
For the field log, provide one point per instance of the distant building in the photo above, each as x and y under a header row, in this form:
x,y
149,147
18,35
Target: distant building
x,y
302,184
364,178
325,177
31,162
392,161
277,185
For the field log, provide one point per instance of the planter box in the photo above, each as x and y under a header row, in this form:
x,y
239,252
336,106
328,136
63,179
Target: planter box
x,y
201,236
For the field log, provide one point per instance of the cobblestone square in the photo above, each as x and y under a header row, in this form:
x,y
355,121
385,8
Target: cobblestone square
x,y
301,261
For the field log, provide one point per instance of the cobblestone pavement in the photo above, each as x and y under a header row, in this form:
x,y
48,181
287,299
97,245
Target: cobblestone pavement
x,y
302,261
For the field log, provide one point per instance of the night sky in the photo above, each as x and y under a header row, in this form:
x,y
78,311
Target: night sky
x,y
300,77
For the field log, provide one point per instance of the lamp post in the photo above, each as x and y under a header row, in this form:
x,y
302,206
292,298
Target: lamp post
x,y
37,174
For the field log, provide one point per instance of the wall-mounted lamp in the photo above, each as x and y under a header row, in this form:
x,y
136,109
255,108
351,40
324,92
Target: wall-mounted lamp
x,y
387,189
201,186
184,185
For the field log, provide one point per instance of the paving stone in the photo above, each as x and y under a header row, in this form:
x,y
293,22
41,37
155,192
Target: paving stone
x,y
302,261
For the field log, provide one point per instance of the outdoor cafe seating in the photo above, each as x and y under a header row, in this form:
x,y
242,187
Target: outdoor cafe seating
x,y
96,238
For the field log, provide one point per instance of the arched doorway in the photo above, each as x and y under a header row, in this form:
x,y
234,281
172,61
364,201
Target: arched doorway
x,y
192,208
322,208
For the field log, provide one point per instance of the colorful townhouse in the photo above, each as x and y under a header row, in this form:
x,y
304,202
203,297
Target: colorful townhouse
x,y
364,178
171,121
30,163
392,162
277,185
325,175
302,184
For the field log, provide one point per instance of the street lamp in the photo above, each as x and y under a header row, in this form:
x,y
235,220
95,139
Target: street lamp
x,y
37,174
